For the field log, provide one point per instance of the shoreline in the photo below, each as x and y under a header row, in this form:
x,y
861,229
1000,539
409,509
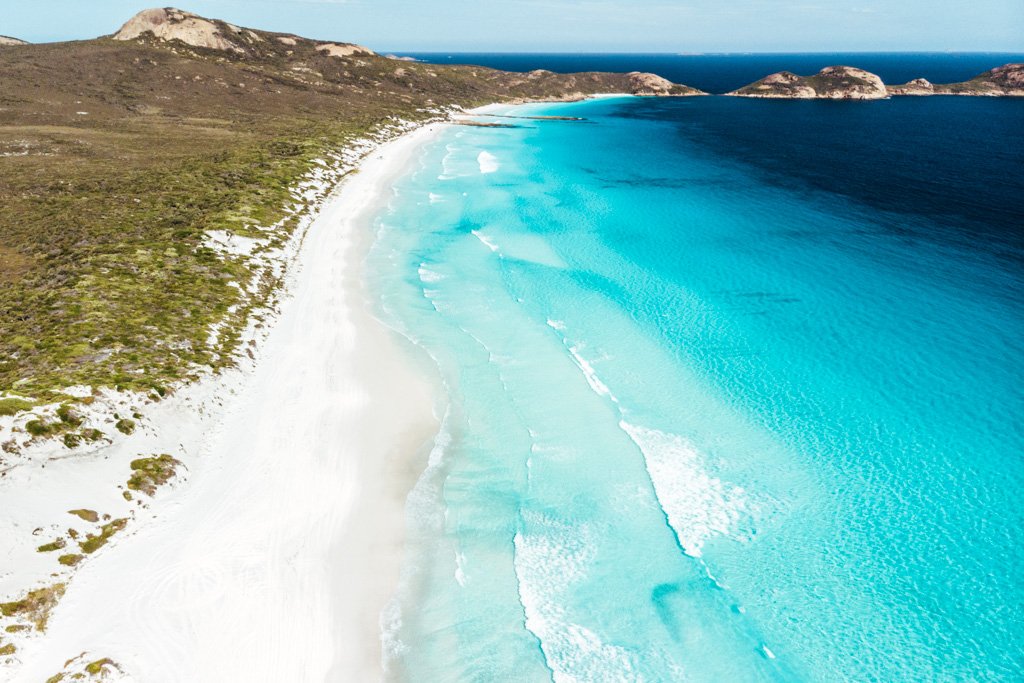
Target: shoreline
x,y
305,465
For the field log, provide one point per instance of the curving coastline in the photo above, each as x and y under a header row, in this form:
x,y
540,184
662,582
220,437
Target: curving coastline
x,y
293,522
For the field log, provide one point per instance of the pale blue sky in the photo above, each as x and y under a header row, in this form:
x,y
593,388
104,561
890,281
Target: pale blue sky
x,y
575,25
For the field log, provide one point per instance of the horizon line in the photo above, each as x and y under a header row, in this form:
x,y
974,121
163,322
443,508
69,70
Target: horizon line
x,y
708,53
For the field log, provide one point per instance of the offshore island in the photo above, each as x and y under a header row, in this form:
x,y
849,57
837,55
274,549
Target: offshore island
x,y
188,363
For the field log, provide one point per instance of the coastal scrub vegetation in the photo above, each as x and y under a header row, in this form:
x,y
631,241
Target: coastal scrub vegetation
x,y
84,668
35,607
13,406
150,473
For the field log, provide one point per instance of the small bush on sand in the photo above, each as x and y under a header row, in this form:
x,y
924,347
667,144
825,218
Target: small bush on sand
x,y
87,515
70,560
13,406
149,473
50,547
94,542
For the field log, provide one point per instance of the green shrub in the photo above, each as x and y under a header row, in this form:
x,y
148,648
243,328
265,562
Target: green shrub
x,y
96,667
37,428
13,406
69,415
92,543
87,515
50,547
70,560
149,473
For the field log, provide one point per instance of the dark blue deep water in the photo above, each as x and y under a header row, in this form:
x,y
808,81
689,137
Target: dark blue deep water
x,y
735,386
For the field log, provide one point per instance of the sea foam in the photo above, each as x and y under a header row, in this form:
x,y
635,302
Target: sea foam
x,y
548,561
698,506
488,162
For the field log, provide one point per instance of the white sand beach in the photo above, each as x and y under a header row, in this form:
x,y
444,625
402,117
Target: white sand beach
x,y
275,558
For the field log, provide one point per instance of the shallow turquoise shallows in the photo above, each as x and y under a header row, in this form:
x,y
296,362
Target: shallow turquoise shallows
x,y
735,393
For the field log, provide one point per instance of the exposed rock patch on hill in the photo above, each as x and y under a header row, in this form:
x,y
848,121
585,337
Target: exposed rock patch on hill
x,y
347,50
832,82
173,24
169,24
7,40
654,85
918,86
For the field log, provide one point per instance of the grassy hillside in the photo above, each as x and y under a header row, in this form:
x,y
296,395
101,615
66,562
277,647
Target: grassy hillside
x,y
116,158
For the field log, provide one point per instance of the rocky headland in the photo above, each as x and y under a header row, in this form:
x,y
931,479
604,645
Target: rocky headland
x,y
850,83
1002,81
832,82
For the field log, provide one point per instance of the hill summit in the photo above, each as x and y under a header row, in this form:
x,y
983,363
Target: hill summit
x,y
169,24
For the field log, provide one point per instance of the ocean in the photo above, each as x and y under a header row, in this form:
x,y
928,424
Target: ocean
x,y
734,387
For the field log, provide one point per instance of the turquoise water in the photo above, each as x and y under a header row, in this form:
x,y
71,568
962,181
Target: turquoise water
x,y
730,399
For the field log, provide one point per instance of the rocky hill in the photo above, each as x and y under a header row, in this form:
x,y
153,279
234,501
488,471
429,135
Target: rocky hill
x,y
832,82
335,63
849,83
7,40
1002,81
170,24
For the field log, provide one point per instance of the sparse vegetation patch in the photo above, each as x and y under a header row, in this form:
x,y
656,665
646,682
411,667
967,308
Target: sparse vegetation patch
x,y
87,515
125,426
36,606
50,547
150,473
97,667
13,406
70,560
94,542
